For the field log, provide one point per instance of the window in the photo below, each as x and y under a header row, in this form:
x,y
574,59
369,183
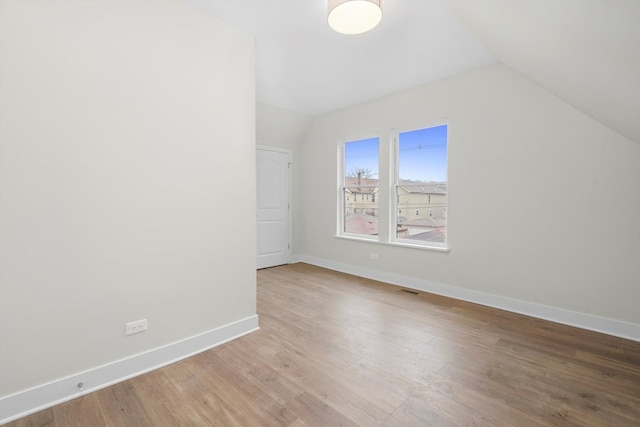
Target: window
x,y
421,169
414,192
359,176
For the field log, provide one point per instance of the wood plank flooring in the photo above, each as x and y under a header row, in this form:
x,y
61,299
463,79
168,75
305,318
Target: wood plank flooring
x,y
338,350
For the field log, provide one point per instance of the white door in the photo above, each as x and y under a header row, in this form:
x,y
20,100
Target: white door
x,y
272,174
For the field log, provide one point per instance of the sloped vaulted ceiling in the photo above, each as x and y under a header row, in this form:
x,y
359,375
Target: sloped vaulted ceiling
x,y
584,51
587,52
303,65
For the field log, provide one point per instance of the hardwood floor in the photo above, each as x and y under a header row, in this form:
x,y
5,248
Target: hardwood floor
x,y
338,350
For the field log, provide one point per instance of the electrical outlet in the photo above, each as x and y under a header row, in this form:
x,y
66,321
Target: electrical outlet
x,y
137,326
374,256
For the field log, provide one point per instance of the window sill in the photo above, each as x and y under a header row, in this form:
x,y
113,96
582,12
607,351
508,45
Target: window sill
x,y
424,247
395,243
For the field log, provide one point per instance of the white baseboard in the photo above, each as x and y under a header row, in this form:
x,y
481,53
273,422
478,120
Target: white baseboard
x,y
590,322
44,396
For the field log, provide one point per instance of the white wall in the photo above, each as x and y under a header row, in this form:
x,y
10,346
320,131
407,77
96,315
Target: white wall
x,y
127,128
279,127
543,200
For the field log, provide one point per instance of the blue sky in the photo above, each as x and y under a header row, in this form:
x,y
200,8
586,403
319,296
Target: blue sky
x,y
423,154
362,154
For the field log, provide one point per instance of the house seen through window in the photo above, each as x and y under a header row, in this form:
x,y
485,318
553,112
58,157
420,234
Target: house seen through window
x,y
360,177
421,186
417,200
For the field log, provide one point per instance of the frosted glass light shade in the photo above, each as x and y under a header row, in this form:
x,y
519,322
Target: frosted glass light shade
x,y
354,16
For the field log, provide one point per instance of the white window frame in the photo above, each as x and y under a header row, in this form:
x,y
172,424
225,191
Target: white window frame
x,y
394,198
342,173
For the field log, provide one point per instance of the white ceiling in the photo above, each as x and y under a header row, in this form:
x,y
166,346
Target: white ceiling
x,y
305,66
585,51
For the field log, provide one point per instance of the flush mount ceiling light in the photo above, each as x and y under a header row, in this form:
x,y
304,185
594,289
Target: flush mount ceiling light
x,y
354,16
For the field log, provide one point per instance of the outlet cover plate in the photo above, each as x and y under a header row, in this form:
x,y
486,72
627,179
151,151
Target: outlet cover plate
x,y
136,327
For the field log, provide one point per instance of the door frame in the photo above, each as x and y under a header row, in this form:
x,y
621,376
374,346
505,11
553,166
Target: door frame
x,y
289,195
